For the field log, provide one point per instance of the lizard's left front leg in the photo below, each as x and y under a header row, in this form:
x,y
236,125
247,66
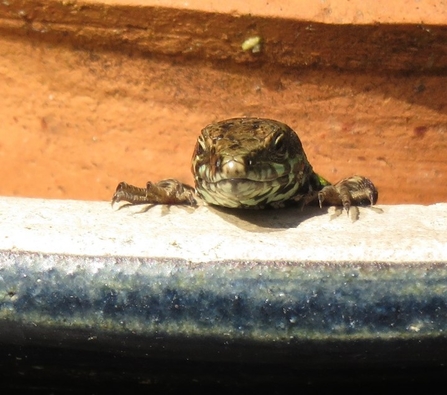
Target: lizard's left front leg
x,y
349,193
168,191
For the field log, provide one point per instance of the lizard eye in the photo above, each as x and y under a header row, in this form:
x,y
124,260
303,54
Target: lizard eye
x,y
279,143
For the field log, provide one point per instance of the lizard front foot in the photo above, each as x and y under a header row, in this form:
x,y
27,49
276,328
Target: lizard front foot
x,y
349,193
168,191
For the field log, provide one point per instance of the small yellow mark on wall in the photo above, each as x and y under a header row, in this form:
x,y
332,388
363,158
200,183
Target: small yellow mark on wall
x,y
253,44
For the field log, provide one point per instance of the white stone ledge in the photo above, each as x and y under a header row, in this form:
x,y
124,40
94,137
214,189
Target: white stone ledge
x,y
215,297
180,283
404,233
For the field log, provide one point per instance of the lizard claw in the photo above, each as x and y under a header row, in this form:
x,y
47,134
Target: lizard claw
x,y
349,193
168,191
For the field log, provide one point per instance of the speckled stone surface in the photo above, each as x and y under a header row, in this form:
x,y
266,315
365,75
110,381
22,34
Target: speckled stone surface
x,y
264,301
169,284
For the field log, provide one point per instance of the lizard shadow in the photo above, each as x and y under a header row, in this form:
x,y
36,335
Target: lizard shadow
x,y
258,221
267,220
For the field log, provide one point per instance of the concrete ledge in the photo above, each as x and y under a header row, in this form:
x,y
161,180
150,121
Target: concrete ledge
x,y
264,291
270,276
402,234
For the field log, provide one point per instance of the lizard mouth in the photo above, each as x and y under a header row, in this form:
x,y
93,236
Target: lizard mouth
x,y
238,170
246,192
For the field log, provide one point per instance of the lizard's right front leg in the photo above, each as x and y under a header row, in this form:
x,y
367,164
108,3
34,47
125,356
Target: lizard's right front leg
x,y
168,191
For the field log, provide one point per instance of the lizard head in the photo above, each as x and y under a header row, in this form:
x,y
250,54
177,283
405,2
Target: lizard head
x,y
249,163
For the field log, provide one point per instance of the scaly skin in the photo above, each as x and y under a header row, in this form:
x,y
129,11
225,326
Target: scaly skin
x,y
251,163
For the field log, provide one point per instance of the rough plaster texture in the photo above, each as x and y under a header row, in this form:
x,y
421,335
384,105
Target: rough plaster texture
x,y
328,11
96,93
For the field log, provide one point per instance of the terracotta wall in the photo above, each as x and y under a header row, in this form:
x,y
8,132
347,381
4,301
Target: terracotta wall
x,y
93,93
